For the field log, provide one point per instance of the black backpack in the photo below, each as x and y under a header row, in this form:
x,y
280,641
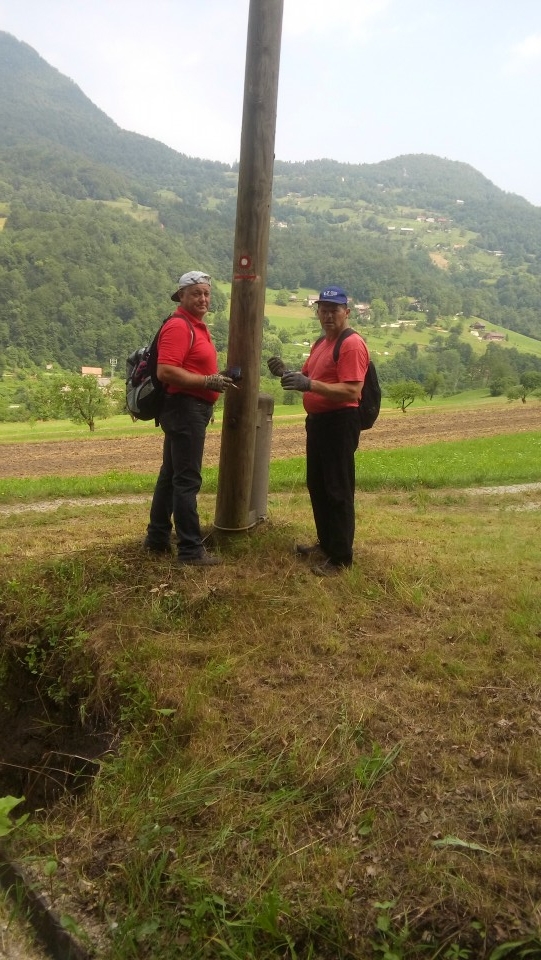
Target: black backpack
x,y
370,402
144,392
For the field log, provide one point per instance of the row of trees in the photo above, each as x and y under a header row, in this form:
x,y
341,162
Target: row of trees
x,y
404,380
62,396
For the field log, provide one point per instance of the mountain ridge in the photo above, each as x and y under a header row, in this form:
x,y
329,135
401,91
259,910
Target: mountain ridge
x,y
61,98
418,226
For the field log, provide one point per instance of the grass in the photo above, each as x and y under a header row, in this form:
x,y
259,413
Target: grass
x,y
132,209
505,459
296,768
285,767
300,769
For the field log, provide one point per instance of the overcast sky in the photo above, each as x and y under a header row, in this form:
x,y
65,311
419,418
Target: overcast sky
x,y
360,80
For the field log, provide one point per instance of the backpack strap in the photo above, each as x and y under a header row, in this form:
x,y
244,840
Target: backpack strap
x,y
343,336
153,352
182,317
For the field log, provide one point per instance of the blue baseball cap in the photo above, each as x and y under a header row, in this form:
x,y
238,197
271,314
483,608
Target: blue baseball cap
x,y
333,295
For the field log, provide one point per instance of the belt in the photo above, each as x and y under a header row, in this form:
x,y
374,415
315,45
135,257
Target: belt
x,y
325,413
188,396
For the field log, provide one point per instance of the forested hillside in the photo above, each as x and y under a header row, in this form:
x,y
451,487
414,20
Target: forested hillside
x,y
98,222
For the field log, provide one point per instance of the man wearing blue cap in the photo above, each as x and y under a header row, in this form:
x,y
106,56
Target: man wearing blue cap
x,y
331,389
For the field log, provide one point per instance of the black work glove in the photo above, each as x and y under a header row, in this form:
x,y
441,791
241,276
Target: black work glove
x,y
218,382
296,381
233,372
276,366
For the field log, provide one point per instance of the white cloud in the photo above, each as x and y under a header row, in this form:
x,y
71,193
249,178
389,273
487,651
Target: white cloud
x,y
349,17
525,55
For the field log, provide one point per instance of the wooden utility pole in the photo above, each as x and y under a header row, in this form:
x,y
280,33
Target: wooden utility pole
x,y
250,262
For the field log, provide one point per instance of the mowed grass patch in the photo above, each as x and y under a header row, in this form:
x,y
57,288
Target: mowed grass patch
x,y
298,767
507,458
503,459
32,489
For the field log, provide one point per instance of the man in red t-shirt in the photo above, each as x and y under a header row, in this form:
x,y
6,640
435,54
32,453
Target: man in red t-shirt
x,y
187,366
331,392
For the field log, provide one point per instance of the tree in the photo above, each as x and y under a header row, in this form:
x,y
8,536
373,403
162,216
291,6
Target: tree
x,y
518,392
218,303
220,331
412,349
290,398
432,383
82,398
500,385
401,306
530,382
404,392
379,311
495,366
271,346
45,401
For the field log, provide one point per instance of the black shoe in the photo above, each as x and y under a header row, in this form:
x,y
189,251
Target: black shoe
x,y
305,550
328,568
203,559
152,547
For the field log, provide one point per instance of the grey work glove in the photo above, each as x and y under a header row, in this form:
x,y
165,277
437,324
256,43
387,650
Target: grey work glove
x,y
296,381
276,366
218,382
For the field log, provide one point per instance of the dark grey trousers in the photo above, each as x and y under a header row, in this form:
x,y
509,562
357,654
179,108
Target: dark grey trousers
x,y
184,421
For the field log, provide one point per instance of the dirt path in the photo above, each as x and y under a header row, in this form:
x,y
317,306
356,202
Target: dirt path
x,y
93,456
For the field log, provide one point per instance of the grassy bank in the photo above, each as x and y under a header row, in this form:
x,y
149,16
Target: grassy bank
x,y
251,763
290,767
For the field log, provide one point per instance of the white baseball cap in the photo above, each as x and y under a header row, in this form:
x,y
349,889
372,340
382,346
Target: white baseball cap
x,y
187,279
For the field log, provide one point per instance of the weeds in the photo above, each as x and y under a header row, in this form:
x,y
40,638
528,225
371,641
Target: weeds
x,y
7,825
371,768
392,940
282,755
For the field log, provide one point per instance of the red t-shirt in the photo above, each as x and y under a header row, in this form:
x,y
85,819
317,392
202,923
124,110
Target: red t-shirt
x,y
189,347
352,365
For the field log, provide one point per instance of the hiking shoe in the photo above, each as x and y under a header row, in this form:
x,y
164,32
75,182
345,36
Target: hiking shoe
x,y
203,559
328,568
308,550
152,547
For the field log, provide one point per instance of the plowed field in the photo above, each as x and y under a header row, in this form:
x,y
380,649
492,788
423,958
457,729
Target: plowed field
x,y
91,456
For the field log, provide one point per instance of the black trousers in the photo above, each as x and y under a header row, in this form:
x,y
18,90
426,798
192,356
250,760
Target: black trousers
x,y
184,421
331,441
